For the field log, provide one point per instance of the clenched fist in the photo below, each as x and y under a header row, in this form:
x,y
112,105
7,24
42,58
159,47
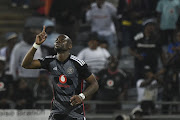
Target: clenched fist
x,y
75,100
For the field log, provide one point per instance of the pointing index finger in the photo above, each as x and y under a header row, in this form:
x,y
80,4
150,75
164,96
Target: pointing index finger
x,y
44,28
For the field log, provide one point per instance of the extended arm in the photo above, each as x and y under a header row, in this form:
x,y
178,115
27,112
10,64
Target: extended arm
x,y
28,61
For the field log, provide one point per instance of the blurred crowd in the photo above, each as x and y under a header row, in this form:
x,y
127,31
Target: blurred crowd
x,y
148,28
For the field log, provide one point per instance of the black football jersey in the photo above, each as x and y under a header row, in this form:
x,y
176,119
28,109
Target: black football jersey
x,y
67,79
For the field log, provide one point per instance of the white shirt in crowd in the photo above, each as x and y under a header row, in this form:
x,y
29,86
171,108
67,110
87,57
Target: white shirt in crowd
x,y
148,92
95,59
101,18
17,55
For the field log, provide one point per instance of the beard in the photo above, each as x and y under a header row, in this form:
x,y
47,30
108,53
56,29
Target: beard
x,y
60,50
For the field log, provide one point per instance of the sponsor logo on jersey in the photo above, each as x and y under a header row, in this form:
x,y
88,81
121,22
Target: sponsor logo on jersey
x,y
63,80
110,83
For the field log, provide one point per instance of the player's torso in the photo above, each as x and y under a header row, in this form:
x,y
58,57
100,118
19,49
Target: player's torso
x,y
65,79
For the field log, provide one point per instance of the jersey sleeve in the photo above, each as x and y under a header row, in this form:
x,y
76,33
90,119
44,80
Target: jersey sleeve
x,y
45,62
84,71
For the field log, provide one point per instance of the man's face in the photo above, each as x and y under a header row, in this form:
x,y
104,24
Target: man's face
x,y
62,44
113,63
150,28
93,44
149,74
100,3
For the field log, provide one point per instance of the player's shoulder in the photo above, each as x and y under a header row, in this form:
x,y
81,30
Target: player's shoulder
x,y
108,4
50,57
77,60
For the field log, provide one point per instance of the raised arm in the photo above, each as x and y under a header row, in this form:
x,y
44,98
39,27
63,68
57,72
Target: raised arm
x,y
28,61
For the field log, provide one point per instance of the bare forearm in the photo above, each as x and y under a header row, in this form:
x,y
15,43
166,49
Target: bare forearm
x,y
29,57
91,89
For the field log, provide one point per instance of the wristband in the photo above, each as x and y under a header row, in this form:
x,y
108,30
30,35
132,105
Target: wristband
x,y
82,96
36,45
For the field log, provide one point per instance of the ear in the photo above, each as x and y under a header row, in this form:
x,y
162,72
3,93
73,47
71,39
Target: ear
x,y
70,46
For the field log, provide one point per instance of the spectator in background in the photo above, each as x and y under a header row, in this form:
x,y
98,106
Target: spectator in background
x,y
130,15
170,72
170,89
43,90
122,117
95,56
66,14
11,39
168,15
23,96
51,36
127,15
100,16
147,91
174,48
5,86
136,114
18,53
25,3
146,48
113,86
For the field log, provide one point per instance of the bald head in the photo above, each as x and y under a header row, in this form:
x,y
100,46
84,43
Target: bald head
x,y
63,43
64,37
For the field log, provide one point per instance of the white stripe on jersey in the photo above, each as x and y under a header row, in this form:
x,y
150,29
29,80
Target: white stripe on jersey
x,y
81,62
50,56
78,60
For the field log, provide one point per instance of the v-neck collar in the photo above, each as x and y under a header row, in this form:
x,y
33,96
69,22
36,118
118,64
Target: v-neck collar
x,y
65,60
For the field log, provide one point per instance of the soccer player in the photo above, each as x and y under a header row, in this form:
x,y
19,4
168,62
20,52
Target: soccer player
x,y
67,74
